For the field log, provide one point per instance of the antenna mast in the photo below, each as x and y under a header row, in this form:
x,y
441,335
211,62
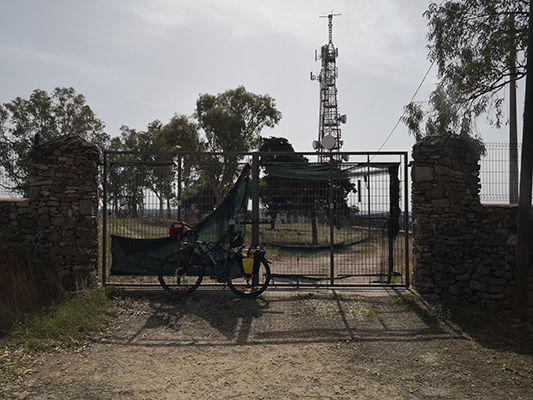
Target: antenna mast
x,y
329,131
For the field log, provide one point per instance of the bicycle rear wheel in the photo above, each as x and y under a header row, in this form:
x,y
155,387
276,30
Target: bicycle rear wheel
x,y
251,285
180,272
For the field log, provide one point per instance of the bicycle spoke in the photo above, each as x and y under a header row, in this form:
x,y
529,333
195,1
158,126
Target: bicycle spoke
x,y
251,285
180,272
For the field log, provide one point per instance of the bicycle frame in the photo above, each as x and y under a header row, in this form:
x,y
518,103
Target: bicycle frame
x,y
195,258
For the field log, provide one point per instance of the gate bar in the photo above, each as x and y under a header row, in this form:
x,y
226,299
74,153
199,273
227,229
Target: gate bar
x,y
104,227
406,218
331,225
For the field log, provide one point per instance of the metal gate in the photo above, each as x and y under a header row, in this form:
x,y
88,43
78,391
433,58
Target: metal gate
x,y
344,222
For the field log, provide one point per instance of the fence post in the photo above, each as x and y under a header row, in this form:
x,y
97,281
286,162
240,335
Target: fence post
x,y
255,199
331,224
179,187
406,219
104,222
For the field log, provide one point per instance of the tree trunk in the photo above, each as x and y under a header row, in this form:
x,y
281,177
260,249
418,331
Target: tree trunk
x,y
523,245
273,221
314,228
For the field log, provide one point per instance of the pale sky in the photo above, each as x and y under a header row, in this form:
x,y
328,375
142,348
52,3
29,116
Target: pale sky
x,y
136,61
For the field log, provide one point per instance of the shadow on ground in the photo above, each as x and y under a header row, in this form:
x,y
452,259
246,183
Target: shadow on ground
x,y
207,316
491,329
290,317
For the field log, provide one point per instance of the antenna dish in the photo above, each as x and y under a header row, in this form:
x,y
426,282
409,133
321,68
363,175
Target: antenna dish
x,y
343,118
315,145
328,142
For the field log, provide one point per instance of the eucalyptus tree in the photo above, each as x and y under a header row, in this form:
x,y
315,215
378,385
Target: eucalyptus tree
x,y
42,117
156,172
232,122
479,47
126,177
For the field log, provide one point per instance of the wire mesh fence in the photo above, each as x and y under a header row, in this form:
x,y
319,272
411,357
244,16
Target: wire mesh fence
x,y
340,222
143,194
335,223
496,174
7,190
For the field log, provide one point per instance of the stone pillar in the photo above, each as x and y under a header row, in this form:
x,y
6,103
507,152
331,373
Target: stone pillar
x,y
464,252
445,197
64,194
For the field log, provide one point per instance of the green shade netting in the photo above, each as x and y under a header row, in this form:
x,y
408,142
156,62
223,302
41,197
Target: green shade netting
x,y
321,172
142,257
336,171
309,251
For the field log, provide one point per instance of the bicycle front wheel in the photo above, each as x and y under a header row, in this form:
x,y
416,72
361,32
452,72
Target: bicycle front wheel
x,y
180,272
251,285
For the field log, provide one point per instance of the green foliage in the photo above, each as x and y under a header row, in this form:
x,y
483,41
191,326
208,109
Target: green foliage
x,y
280,194
479,47
372,313
279,145
154,172
305,188
46,117
412,118
232,122
446,117
179,134
198,201
472,42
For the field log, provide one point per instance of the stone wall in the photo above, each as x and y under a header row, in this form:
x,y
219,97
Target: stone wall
x,y
57,226
463,251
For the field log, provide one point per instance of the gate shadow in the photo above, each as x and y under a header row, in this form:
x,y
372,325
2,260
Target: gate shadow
x,y
209,317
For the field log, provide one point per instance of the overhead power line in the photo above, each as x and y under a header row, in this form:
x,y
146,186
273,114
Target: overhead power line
x,y
404,111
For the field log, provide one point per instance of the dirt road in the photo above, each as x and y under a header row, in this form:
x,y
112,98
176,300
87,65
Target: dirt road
x,y
285,345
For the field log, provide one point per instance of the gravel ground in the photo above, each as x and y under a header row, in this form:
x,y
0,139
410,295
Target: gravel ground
x,y
357,344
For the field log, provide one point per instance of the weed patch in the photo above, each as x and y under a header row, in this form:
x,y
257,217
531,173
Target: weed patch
x,y
23,289
66,323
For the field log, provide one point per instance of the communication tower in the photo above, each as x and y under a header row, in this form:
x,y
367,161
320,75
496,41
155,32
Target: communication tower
x,y
329,131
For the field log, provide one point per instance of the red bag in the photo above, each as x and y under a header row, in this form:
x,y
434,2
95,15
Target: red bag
x,y
176,228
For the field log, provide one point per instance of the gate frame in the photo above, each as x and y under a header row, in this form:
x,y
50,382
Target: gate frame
x,y
255,212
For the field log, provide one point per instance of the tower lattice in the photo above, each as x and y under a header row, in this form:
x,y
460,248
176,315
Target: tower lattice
x,y
329,131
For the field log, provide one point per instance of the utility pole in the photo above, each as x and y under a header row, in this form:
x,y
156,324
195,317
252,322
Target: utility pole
x,y
523,245
329,131
513,141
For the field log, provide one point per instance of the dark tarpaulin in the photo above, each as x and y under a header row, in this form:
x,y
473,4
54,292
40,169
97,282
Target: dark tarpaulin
x,y
142,257
139,257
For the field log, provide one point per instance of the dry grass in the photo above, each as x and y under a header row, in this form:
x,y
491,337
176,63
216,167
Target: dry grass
x,y
20,291
30,295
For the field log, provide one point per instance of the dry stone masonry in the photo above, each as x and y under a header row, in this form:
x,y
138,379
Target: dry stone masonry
x,y
57,226
463,251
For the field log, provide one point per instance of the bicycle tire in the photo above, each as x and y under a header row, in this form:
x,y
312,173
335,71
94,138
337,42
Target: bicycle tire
x,y
244,285
180,272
